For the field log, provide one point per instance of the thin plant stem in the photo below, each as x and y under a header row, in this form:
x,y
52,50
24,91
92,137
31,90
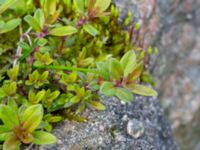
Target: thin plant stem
x,y
19,48
67,68
30,146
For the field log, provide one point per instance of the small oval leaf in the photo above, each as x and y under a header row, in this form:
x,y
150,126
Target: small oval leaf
x,y
79,4
97,105
90,29
33,23
43,138
11,143
136,73
8,116
124,95
39,16
128,61
6,5
63,31
10,25
115,69
102,5
108,89
143,90
32,117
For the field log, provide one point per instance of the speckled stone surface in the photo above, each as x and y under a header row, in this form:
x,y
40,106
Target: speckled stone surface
x,y
107,130
174,27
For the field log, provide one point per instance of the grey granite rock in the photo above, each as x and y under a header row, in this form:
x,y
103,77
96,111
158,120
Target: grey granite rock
x,y
107,130
173,26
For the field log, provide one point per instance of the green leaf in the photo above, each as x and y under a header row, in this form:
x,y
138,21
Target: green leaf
x,y
86,62
27,51
124,95
102,5
53,119
80,92
4,136
47,59
79,5
50,96
43,138
143,90
4,129
72,101
94,86
11,143
90,29
12,104
42,42
32,117
33,77
97,105
2,94
146,77
83,53
43,58
5,133
36,98
8,116
31,96
10,25
50,7
13,73
21,109
44,75
128,61
115,69
2,24
9,88
136,73
63,31
33,23
27,139
45,125
21,7
108,89
103,70
73,77
54,95
75,117
6,5
39,16
58,104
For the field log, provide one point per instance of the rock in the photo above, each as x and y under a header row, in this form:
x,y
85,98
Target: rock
x,y
135,128
173,26
177,68
147,127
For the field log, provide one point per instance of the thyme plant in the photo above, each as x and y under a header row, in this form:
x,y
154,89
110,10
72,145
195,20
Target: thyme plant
x,y
57,57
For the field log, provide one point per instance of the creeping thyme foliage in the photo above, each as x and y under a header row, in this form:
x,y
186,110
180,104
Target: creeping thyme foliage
x,y
57,57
